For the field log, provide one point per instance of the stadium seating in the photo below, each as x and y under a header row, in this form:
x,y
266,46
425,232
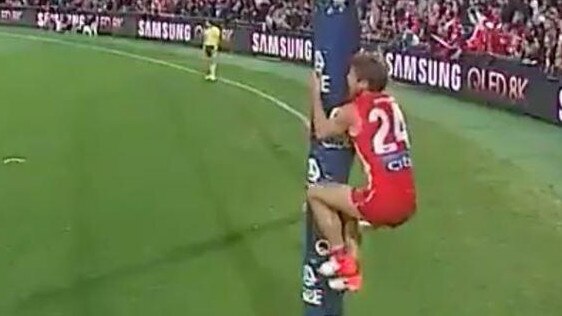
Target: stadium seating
x,y
530,30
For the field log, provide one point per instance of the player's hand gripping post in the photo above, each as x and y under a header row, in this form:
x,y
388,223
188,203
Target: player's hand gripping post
x,y
323,126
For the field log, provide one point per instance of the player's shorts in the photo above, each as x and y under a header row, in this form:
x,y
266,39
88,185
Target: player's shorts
x,y
210,51
392,208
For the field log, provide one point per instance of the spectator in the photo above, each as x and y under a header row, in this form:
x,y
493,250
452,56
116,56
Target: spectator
x,y
527,29
558,60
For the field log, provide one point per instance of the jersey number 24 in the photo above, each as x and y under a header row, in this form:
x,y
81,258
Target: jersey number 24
x,y
396,125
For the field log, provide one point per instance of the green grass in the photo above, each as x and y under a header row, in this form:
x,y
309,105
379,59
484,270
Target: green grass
x,y
148,191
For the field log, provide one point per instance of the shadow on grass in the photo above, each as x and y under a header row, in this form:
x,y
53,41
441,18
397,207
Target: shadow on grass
x,y
179,254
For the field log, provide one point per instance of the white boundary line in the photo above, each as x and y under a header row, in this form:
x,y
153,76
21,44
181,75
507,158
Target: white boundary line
x,y
280,104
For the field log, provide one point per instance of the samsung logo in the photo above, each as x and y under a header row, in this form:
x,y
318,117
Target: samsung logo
x,y
425,71
286,47
167,31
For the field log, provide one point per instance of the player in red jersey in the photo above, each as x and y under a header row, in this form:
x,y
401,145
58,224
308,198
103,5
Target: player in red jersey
x,y
376,126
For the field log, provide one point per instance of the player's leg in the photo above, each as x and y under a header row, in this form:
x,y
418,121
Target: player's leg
x,y
328,222
207,57
213,64
210,58
351,235
336,197
352,238
326,203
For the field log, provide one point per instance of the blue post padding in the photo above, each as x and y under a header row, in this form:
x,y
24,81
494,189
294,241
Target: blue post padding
x,y
336,39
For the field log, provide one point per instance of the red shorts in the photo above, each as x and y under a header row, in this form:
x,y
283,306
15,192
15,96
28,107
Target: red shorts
x,y
385,208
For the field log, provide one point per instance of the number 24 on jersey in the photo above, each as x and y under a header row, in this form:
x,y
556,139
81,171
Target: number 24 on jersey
x,y
394,123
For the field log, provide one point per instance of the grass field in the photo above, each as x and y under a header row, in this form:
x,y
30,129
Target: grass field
x,y
148,191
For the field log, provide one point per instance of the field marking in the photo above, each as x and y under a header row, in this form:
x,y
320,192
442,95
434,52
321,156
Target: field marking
x,y
277,102
9,160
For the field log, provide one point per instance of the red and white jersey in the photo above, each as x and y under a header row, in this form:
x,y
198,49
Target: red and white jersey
x,y
381,141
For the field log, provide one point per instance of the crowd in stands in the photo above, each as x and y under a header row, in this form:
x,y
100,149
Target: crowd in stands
x,y
278,14
527,29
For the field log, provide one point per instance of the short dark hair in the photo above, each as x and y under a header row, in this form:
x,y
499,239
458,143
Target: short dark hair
x,y
372,68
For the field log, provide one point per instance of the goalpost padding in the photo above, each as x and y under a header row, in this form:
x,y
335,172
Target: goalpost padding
x,y
336,39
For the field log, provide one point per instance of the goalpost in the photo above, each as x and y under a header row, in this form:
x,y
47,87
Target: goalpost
x,y
336,39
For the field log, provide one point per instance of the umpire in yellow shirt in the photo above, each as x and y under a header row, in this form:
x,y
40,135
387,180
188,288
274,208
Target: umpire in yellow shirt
x,y
211,42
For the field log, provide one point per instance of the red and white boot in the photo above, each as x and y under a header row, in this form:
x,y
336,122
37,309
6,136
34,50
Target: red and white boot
x,y
344,268
341,263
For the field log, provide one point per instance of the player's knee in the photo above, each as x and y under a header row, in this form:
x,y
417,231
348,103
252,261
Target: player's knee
x,y
312,193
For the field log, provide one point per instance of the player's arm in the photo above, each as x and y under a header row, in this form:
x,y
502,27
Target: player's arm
x,y
325,127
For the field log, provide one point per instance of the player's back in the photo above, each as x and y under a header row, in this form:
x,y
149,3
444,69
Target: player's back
x,y
381,140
